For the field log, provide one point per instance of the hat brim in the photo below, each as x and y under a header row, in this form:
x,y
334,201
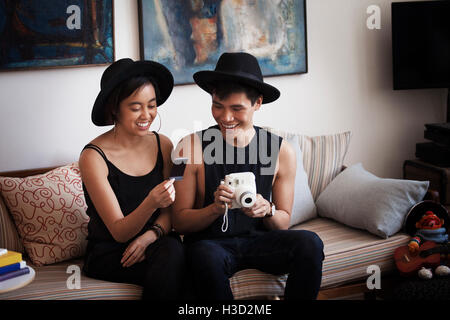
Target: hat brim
x,y
204,79
162,75
418,210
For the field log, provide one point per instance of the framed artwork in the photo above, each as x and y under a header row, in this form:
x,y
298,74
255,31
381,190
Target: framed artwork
x,y
45,34
190,35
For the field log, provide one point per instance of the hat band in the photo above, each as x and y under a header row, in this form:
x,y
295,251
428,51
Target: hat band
x,y
242,74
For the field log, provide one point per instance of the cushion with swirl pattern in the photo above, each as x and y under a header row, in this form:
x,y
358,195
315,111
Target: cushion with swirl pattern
x,y
49,211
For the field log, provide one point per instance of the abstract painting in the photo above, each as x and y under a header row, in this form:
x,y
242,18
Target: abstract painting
x,y
43,34
190,35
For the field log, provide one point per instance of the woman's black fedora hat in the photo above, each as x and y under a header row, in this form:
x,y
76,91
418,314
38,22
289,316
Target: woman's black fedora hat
x,y
418,210
125,69
239,67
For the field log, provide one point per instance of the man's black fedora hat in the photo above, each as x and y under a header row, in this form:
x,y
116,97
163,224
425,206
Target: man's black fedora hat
x,y
125,69
239,67
419,209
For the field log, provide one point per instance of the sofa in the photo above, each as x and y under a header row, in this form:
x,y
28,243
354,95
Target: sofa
x,y
42,215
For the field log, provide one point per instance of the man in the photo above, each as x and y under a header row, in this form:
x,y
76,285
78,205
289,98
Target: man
x,y
220,240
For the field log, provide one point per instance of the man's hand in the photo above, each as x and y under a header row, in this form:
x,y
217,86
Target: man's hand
x,y
135,252
259,209
222,194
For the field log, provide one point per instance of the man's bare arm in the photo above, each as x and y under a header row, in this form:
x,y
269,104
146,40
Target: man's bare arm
x,y
283,188
186,218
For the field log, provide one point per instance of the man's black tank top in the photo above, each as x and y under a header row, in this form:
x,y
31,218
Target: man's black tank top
x,y
130,191
219,159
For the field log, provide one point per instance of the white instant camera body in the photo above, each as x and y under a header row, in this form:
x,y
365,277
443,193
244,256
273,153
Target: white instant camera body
x,y
244,186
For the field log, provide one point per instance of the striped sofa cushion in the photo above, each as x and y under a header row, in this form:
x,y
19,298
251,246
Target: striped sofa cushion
x,y
252,284
323,156
50,283
348,253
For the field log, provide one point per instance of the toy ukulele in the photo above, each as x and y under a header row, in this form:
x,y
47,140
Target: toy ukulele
x,y
428,255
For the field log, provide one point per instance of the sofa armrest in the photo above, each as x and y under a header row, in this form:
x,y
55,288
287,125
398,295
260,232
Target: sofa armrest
x,y
9,237
432,195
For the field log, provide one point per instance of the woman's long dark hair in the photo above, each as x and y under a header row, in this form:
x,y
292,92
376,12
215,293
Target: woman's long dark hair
x,y
123,91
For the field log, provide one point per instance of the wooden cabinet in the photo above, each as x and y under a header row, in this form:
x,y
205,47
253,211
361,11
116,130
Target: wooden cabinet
x,y
439,177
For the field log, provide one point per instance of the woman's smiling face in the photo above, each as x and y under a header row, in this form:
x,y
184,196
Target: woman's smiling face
x,y
137,111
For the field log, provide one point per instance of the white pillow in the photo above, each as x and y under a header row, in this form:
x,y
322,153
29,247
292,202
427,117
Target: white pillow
x,y
303,208
362,200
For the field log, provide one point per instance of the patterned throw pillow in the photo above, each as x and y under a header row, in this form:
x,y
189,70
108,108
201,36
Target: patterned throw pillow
x,y
323,156
49,211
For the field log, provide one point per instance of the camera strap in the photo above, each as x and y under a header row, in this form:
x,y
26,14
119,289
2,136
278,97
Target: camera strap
x,y
225,219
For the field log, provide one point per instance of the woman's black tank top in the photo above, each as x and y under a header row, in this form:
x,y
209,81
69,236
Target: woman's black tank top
x,y
130,191
219,159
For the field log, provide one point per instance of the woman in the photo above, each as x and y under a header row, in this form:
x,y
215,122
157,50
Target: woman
x,y
123,172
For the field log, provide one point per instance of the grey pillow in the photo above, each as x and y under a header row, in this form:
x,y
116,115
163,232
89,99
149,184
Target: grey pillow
x,y
359,199
304,207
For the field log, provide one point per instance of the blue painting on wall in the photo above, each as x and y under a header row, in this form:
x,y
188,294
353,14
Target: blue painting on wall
x,y
43,34
190,35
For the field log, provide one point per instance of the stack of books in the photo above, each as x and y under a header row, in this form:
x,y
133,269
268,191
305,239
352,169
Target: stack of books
x,y
12,265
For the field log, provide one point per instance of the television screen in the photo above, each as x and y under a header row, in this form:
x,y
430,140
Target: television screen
x,y
421,44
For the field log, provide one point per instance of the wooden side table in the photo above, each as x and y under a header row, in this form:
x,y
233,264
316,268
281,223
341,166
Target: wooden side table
x,y
439,177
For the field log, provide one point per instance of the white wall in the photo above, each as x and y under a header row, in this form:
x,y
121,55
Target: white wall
x,y
45,115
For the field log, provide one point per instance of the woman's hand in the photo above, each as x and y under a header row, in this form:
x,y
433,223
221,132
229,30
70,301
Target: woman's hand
x,y
163,195
259,209
135,252
222,194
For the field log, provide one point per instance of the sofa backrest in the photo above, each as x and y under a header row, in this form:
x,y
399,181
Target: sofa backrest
x,y
323,156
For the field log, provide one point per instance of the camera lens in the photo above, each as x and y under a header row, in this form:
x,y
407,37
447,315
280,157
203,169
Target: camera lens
x,y
247,199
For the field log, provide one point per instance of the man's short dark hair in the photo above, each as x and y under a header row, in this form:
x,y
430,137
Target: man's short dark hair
x,y
224,89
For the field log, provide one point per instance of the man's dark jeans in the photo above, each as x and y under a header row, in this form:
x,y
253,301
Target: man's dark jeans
x,y
296,252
